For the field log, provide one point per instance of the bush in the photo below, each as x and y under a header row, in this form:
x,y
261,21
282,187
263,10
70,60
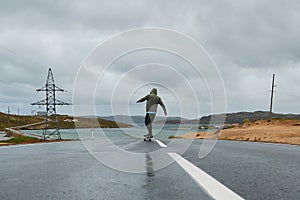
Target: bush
x,y
246,121
23,139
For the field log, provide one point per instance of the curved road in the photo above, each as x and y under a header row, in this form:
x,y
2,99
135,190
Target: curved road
x,y
66,170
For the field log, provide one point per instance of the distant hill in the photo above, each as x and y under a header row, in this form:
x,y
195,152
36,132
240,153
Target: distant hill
x,y
140,119
7,121
239,117
177,120
125,119
231,118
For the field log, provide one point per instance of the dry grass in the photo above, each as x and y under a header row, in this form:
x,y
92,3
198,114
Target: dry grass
x,y
275,131
28,140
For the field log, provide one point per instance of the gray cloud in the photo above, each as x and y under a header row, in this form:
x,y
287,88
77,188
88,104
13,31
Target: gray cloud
x,y
248,40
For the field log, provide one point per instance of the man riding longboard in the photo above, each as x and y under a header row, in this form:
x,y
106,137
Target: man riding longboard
x,y
151,108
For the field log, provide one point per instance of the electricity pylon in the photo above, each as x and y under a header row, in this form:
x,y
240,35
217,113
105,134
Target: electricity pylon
x,y
50,102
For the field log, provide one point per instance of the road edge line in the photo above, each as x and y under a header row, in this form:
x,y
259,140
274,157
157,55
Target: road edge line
x,y
210,185
160,143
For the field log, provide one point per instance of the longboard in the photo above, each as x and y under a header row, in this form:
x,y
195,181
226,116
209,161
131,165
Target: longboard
x,y
147,139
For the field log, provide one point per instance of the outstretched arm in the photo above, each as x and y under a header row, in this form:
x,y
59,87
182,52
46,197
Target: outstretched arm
x,y
143,99
161,103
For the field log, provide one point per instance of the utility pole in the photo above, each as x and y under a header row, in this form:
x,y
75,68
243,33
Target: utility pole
x,y
272,94
8,118
50,102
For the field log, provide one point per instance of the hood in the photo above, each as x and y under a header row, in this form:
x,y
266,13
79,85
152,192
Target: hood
x,y
154,91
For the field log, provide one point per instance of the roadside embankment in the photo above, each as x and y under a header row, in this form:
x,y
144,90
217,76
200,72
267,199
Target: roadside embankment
x,y
13,138
283,131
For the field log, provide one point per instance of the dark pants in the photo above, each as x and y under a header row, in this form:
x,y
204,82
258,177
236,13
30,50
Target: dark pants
x,y
149,118
148,122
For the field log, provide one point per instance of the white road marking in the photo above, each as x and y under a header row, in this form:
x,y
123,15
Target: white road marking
x,y
210,185
14,146
160,143
25,145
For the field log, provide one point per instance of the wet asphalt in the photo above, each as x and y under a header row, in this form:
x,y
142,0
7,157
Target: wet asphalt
x,y
69,171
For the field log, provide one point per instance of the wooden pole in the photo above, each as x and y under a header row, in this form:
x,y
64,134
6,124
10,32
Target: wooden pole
x,y
272,94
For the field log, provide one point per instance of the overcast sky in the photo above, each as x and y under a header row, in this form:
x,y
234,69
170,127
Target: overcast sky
x,y
247,40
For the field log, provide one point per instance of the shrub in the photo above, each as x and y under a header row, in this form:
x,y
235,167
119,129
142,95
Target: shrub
x,y
22,139
246,121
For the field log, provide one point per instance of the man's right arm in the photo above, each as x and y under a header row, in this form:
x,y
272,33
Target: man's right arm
x,y
143,99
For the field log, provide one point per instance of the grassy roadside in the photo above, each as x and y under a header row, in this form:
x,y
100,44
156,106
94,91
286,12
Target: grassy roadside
x,y
27,140
283,131
22,140
65,122
7,121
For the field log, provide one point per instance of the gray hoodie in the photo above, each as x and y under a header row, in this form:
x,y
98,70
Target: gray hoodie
x,y
152,101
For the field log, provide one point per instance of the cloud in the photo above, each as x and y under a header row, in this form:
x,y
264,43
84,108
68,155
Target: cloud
x,y
253,33
248,40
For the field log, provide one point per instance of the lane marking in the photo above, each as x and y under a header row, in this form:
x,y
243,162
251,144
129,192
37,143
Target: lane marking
x,y
160,143
18,145
211,186
31,144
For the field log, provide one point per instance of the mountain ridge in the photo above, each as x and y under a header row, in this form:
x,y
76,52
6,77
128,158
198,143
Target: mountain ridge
x,y
230,118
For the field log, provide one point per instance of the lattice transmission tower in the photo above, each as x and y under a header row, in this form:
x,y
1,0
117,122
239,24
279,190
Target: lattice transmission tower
x,y
50,102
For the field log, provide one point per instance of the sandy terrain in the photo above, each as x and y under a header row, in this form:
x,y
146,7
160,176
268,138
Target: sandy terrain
x,y
275,131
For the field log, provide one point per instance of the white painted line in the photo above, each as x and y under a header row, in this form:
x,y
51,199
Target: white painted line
x,y
18,145
160,143
210,185
25,145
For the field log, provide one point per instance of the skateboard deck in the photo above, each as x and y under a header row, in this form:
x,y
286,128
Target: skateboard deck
x,y
147,139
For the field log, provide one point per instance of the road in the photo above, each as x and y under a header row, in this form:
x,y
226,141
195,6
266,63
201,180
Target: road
x,y
17,130
68,171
